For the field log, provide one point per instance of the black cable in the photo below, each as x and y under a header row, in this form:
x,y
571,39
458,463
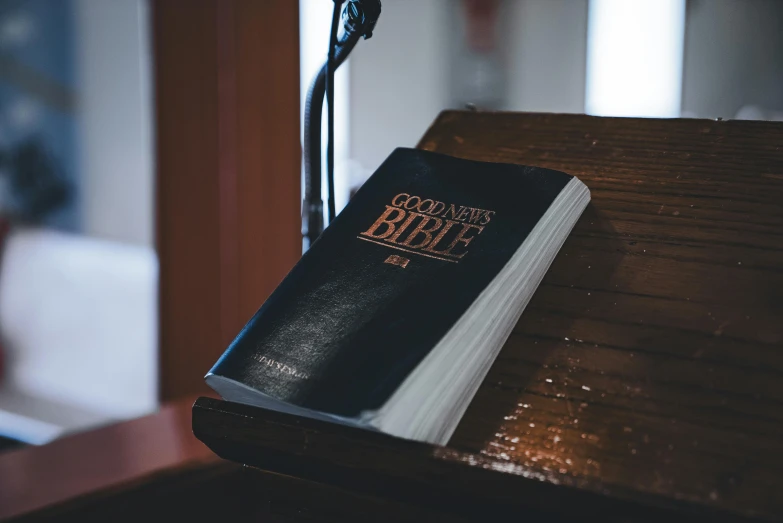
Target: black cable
x,y
330,67
313,205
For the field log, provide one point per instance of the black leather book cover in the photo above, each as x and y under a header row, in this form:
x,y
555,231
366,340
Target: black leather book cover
x,y
387,279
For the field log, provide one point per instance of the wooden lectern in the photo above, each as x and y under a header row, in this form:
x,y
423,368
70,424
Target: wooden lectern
x,y
644,380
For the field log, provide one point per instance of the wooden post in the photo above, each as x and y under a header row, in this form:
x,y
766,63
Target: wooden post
x,y
228,172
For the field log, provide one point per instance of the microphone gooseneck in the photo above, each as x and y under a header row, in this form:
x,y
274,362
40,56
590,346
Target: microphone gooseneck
x,y
359,19
312,140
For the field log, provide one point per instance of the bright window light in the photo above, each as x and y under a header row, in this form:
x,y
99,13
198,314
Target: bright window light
x,y
634,57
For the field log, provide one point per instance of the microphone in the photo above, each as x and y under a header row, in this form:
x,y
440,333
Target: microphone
x,y
362,15
359,19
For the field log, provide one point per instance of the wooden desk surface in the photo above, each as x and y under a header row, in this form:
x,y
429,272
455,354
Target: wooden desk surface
x,y
651,356
649,364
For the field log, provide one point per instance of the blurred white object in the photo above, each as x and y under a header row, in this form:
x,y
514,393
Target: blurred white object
x,y
38,421
634,57
750,112
79,321
754,112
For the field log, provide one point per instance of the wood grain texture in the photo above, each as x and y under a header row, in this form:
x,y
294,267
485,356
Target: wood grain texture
x,y
455,484
154,469
647,369
228,172
188,228
651,356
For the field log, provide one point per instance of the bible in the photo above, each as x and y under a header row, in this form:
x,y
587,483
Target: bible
x,y
393,317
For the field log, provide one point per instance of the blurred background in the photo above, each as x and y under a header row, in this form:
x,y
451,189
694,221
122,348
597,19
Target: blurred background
x,y
79,273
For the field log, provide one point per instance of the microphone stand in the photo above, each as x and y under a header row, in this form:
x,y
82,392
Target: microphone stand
x,y
359,19
330,108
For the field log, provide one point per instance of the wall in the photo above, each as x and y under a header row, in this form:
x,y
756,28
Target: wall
x,y
733,57
399,78
548,54
115,117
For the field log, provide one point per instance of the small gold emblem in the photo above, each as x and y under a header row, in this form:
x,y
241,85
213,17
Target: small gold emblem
x,y
397,260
